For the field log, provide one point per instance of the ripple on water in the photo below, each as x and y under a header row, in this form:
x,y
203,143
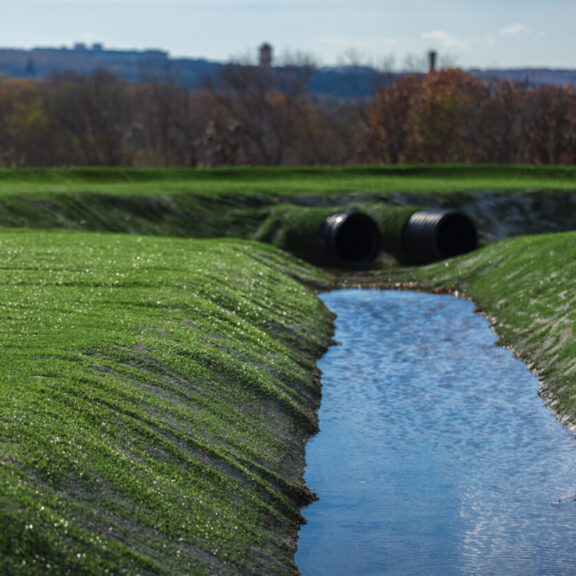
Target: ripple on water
x,y
436,454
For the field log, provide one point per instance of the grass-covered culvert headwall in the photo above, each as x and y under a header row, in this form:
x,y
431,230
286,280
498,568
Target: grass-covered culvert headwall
x,y
155,403
324,236
353,236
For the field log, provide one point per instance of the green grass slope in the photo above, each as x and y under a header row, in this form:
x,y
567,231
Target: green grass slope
x,y
155,398
157,390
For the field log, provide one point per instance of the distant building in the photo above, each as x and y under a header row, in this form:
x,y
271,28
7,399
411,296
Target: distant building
x,y
265,55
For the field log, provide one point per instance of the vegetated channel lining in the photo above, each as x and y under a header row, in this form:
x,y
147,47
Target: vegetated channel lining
x,y
155,403
498,264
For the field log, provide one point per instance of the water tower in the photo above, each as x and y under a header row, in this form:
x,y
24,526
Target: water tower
x,y
265,55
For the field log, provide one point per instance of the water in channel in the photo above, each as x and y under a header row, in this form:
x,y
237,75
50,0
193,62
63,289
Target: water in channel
x,y
436,455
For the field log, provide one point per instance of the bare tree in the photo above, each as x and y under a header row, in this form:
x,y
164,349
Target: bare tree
x,y
552,124
90,118
271,105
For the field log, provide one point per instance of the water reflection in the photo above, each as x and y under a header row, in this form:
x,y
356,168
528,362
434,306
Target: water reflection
x,y
436,455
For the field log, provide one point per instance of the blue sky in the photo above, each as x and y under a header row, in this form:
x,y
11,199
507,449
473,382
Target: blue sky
x,y
486,33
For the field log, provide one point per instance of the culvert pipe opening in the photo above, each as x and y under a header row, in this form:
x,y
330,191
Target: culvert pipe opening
x,y
432,235
349,239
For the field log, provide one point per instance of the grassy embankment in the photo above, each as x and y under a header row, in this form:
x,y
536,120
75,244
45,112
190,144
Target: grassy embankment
x,y
235,202
157,392
156,395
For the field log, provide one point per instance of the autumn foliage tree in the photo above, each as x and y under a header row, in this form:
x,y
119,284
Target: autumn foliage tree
x,y
442,115
552,125
389,126
452,116
499,134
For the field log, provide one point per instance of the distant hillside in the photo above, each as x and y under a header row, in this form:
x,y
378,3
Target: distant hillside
x,y
533,76
145,65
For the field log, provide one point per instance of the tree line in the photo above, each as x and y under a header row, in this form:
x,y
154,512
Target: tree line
x,y
452,116
252,115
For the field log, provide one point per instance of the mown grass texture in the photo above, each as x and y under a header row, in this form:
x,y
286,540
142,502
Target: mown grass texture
x,y
157,392
156,395
290,181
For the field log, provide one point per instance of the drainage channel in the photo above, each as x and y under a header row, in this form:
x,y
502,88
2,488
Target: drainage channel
x,y
436,455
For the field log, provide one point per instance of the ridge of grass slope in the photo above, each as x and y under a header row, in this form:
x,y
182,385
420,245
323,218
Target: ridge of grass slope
x,y
236,202
155,399
283,181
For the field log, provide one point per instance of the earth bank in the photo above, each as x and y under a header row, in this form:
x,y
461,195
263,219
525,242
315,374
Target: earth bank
x,y
158,389
155,404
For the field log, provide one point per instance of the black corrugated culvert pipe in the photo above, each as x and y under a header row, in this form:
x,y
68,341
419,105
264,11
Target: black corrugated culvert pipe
x,y
419,235
349,239
326,236
432,235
